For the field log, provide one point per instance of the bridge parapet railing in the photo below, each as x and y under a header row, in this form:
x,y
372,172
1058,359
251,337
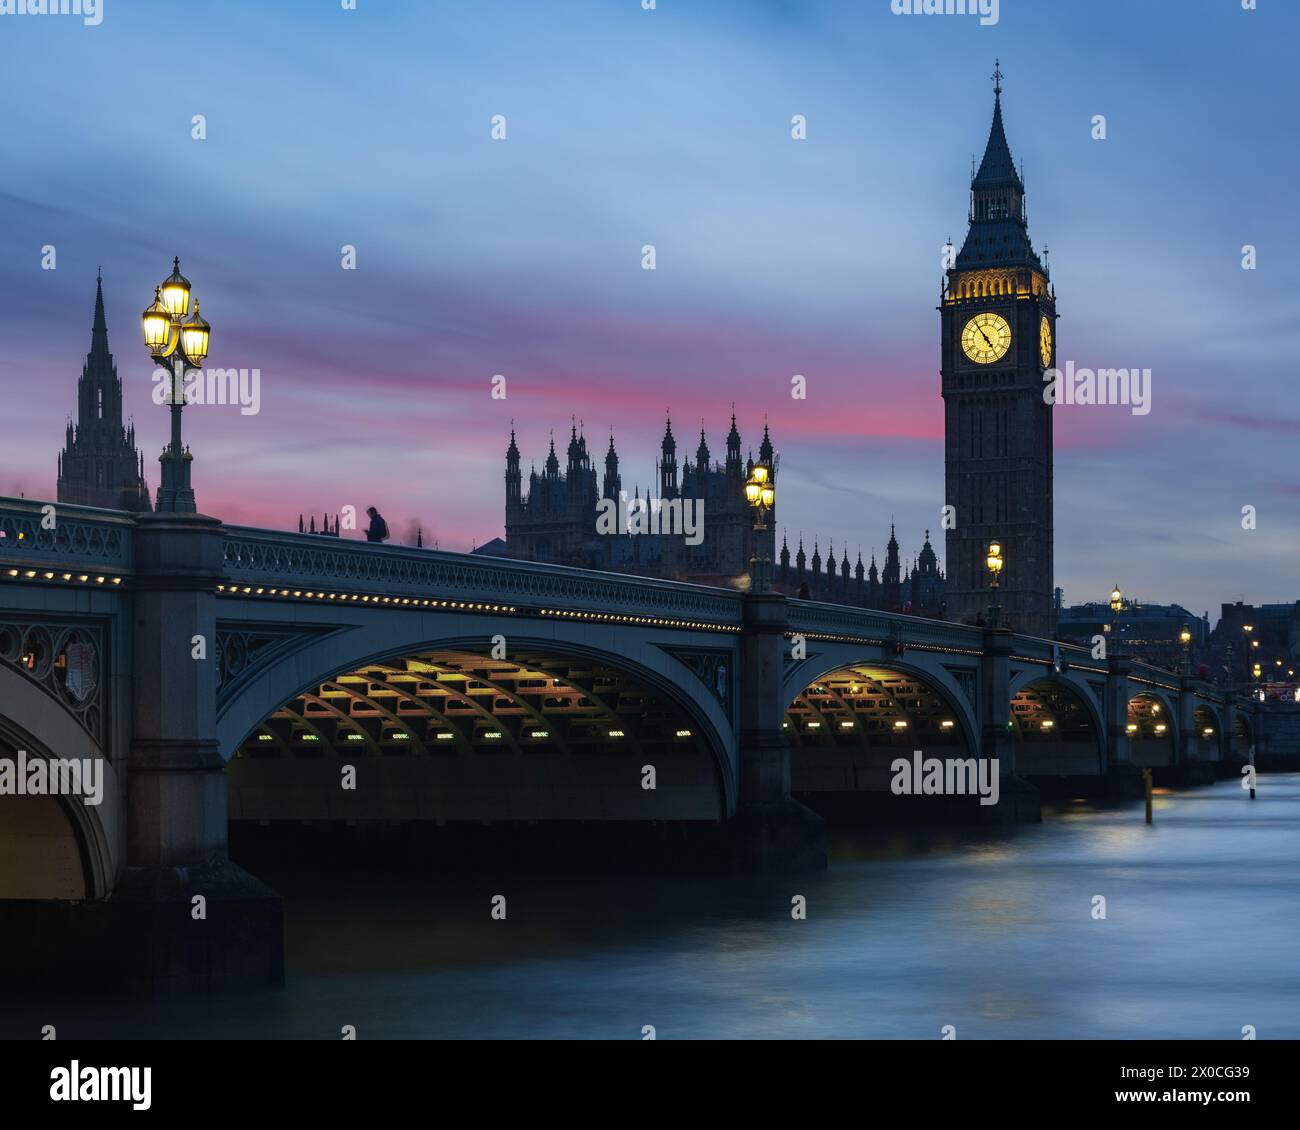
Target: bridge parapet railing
x,y
74,537
816,618
1150,675
256,557
1039,650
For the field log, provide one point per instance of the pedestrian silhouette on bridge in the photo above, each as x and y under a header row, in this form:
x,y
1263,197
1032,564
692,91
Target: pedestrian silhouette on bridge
x,y
378,530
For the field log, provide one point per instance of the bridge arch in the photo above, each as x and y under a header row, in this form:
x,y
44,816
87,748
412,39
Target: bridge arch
x,y
1058,725
54,847
1152,727
360,681
1208,725
1243,735
850,721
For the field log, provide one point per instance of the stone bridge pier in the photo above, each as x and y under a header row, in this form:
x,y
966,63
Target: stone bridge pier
x,y
1017,798
774,830
182,916
1123,777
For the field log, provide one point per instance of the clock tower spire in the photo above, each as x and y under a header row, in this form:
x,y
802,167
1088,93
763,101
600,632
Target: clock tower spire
x,y
998,323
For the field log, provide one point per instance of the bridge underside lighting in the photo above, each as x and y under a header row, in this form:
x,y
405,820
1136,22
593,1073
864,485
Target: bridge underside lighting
x,y
1146,718
867,705
457,701
1052,711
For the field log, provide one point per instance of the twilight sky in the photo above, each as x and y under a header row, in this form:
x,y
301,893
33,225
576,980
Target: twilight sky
x,y
775,257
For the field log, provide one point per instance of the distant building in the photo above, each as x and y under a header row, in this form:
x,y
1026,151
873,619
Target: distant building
x,y
1150,632
99,464
554,520
326,530
918,590
1275,628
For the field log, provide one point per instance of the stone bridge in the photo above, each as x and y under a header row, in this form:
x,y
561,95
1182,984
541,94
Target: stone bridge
x,y
220,674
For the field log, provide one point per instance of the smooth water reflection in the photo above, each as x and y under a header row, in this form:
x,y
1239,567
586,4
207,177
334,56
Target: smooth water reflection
x,y
908,931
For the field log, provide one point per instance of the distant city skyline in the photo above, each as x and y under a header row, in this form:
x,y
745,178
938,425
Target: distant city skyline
x,y
774,257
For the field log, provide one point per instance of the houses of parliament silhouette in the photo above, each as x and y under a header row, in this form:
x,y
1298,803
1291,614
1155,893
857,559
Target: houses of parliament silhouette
x,y
997,337
555,522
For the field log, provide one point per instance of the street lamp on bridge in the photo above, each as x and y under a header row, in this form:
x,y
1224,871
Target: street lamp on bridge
x,y
1116,609
760,493
994,562
178,344
1185,637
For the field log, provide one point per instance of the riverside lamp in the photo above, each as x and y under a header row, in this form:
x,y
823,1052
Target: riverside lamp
x,y
1116,608
994,562
760,493
177,341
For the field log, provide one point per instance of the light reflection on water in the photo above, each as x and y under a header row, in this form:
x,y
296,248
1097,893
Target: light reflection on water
x,y
910,930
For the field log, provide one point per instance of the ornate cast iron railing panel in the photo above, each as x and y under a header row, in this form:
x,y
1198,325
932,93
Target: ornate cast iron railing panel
x,y
83,537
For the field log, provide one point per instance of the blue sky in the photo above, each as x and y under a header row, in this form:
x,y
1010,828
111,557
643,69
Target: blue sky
x,y
625,127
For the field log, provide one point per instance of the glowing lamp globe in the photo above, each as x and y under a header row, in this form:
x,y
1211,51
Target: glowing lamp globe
x,y
157,325
176,291
195,333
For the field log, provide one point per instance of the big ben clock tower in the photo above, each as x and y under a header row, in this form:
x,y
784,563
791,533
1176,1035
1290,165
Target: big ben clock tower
x,y
999,335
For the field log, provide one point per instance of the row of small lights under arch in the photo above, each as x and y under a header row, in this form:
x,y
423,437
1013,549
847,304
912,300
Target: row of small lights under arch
x,y
74,578
412,601
470,606
447,736
946,725
828,637
622,618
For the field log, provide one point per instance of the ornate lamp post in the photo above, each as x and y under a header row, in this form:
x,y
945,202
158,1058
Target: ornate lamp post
x,y
1116,608
178,344
1185,637
994,562
760,494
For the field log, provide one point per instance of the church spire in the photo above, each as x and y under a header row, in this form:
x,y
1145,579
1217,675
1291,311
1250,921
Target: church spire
x,y
99,328
100,465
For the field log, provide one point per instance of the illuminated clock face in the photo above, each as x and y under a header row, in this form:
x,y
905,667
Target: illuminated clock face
x,y
986,338
1045,341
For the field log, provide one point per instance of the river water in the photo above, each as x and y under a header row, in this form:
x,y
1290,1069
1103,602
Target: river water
x,y
992,932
